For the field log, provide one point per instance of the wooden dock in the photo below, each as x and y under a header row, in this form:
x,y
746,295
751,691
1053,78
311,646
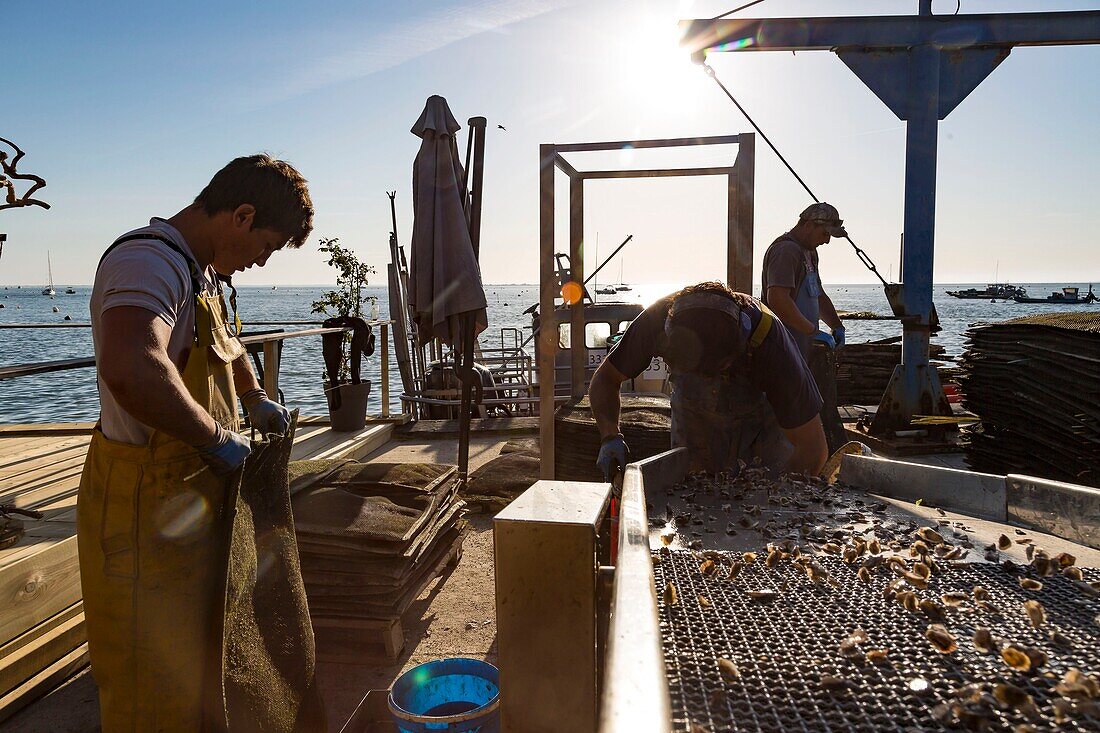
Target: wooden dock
x,y
42,639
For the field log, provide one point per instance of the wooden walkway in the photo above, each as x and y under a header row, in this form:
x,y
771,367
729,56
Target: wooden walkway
x,y
42,638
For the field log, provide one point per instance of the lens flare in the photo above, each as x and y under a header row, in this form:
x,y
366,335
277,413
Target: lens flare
x,y
735,45
571,293
183,516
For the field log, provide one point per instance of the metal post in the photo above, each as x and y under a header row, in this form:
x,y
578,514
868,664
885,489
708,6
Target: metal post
x,y
548,332
745,168
477,139
731,230
577,345
914,388
384,329
271,369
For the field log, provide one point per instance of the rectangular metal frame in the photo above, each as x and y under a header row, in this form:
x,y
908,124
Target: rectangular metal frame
x,y
739,231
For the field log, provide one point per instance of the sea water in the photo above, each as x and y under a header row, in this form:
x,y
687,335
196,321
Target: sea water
x,y
71,395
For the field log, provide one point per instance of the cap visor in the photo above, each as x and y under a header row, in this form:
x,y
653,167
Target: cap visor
x,y
837,231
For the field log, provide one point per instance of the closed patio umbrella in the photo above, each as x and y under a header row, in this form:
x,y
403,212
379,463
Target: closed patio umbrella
x,y
445,290
444,276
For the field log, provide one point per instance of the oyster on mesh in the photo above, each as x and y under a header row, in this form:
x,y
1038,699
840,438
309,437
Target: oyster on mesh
x,y
728,670
764,594
983,641
941,639
930,535
670,597
1030,584
1016,658
1035,613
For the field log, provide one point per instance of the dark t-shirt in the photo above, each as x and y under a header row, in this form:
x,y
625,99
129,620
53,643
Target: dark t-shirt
x,y
778,369
786,264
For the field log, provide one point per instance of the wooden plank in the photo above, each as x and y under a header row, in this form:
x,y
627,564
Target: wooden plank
x,y
350,641
60,453
43,682
360,445
38,587
52,428
39,535
14,451
36,476
44,488
37,655
77,609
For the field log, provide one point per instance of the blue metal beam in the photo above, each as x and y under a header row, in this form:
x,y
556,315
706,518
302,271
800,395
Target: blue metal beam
x,y
921,66
1003,30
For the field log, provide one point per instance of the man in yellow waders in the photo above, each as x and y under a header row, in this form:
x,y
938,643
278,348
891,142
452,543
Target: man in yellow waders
x,y
153,517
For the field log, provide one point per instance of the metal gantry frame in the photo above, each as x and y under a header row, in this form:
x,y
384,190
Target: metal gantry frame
x,y
921,66
739,232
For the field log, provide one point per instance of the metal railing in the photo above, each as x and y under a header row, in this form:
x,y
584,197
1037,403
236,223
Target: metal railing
x,y
634,689
271,357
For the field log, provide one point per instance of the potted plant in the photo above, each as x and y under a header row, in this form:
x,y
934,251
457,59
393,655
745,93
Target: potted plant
x,y
345,392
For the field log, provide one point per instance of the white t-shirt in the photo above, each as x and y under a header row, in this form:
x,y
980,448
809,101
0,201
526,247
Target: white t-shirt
x,y
148,274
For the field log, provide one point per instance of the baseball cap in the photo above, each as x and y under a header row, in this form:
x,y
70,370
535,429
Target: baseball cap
x,y
828,216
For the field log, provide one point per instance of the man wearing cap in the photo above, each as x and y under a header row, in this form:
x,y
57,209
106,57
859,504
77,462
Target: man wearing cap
x,y
740,389
791,287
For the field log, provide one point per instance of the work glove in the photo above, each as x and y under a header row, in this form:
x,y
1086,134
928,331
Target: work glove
x,y
266,415
838,335
613,452
226,452
825,339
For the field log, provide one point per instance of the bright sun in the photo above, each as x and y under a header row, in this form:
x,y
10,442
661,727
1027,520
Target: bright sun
x,y
654,65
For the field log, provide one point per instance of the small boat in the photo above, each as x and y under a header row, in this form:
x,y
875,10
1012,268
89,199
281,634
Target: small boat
x,y
1067,296
70,291
996,291
606,290
622,288
49,289
274,287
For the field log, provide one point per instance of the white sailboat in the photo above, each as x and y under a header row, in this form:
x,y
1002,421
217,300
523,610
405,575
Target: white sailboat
x,y
606,289
621,287
48,290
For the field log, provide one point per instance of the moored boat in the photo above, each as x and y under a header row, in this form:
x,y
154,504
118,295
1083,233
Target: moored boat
x,y
1067,296
995,291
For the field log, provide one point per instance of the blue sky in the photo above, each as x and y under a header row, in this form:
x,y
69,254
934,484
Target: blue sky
x,y
127,109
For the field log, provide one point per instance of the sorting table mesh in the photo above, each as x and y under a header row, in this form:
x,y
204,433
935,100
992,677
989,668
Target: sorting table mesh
x,y
783,648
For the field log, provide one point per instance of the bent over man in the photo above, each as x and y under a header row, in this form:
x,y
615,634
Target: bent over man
x,y
153,514
740,389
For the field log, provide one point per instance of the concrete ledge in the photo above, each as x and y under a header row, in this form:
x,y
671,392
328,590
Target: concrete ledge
x,y
980,495
1066,510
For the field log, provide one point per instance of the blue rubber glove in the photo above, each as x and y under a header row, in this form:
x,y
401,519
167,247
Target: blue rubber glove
x,y
266,415
226,452
825,339
613,452
838,335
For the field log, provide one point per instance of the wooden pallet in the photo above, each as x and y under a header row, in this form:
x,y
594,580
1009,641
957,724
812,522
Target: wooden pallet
x,y
355,640
42,637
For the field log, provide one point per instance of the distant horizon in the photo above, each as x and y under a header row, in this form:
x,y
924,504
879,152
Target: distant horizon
x,y
267,286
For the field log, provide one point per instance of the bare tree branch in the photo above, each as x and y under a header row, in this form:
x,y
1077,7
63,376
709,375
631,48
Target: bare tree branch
x,y
12,199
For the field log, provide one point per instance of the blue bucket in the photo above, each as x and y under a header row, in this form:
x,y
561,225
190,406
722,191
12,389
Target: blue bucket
x,y
449,695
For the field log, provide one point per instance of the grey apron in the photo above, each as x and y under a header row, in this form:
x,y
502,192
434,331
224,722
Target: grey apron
x,y
805,299
723,419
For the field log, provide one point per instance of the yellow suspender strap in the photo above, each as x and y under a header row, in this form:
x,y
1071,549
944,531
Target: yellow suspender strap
x,y
763,328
